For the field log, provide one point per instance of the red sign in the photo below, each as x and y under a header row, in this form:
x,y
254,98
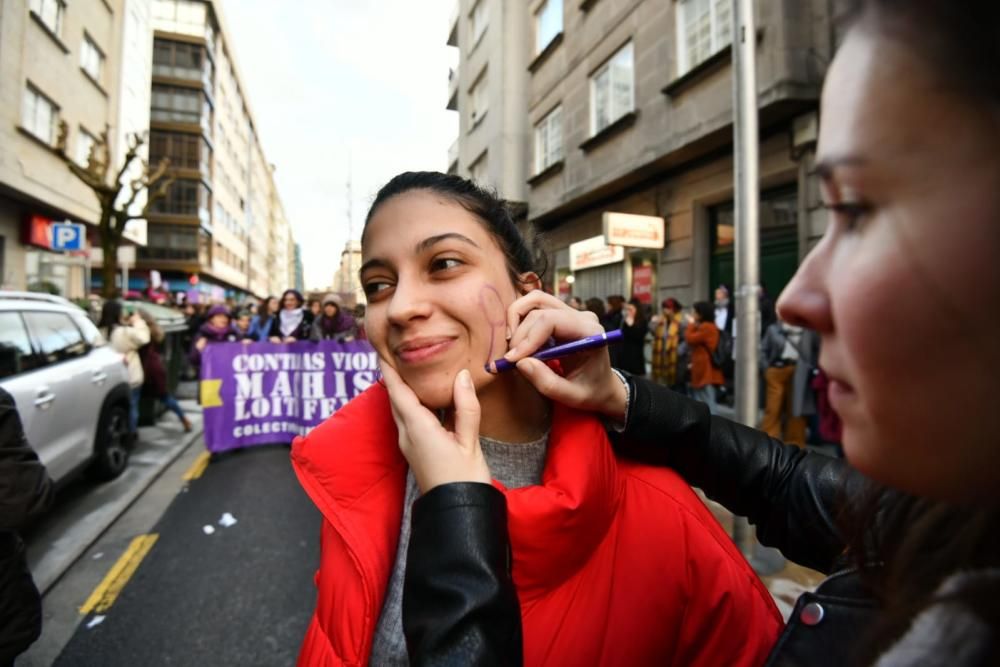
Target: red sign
x,y
37,231
642,283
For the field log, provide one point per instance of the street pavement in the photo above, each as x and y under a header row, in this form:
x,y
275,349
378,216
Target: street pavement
x,y
226,581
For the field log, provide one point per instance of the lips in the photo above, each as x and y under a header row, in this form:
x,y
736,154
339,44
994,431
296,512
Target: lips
x,y
417,350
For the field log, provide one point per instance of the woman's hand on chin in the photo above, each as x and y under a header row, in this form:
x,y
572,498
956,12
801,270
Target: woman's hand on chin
x,y
438,456
587,383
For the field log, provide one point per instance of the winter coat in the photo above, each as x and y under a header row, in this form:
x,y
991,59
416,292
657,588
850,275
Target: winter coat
x,y
301,332
342,328
155,375
702,339
127,339
668,333
212,335
772,346
686,596
260,328
632,355
25,491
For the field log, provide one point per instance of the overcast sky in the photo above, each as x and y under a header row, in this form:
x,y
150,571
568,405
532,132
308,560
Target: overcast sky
x,y
333,81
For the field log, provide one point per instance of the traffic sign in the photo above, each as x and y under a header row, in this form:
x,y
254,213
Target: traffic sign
x,y
69,236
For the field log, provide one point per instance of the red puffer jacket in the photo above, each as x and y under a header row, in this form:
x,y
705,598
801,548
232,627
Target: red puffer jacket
x,y
615,563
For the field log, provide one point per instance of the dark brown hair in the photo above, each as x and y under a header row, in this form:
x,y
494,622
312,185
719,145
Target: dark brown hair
x,y
494,213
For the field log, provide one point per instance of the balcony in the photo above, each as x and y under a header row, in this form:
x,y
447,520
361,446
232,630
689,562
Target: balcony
x,y
453,25
453,76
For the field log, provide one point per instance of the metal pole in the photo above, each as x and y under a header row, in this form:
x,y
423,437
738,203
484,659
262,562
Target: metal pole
x,y
747,200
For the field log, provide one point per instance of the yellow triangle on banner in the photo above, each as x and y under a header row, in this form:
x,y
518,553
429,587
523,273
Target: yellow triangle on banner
x,y
210,397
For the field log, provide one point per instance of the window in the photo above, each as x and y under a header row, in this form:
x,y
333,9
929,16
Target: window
x,y
174,104
50,12
185,151
478,20
91,58
16,355
479,171
91,335
39,115
548,23
184,197
185,14
704,27
181,60
612,90
57,337
85,143
480,99
548,140
176,242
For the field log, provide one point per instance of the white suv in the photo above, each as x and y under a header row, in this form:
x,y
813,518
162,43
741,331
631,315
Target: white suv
x,y
70,387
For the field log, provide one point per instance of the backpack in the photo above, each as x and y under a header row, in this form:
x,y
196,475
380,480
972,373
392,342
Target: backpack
x,y
723,352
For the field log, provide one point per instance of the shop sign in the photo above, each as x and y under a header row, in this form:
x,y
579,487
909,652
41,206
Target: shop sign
x,y
37,231
593,252
633,231
642,283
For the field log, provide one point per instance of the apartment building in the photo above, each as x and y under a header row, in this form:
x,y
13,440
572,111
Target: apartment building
x,y
69,71
346,284
215,233
631,106
489,90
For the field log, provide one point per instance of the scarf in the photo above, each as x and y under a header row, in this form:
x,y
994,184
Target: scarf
x,y
290,321
336,324
214,333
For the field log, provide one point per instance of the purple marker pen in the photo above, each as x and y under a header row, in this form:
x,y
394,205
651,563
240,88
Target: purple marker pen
x,y
566,349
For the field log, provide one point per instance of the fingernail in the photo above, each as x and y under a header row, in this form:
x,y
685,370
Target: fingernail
x,y
465,378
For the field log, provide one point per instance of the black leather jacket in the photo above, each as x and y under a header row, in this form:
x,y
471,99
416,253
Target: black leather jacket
x,y
791,495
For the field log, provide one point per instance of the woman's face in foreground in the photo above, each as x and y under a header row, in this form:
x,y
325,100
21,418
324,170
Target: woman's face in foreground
x,y
904,287
438,288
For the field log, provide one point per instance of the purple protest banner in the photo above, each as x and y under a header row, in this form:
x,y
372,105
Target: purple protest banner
x,y
266,393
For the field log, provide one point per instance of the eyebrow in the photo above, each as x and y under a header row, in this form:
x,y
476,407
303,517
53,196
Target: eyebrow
x,y
423,246
825,167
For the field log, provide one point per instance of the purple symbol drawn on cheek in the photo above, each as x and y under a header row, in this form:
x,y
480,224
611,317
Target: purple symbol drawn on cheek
x,y
495,313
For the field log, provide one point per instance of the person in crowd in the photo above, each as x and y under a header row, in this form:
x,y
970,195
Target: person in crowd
x,y
575,303
154,384
765,304
442,260
333,323
126,331
725,321
596,306
669,366
702,336
779,358
293,322
260,327
218,329
614,313
242,326
315,307
907,524
634,331
359,321
25,492
725,311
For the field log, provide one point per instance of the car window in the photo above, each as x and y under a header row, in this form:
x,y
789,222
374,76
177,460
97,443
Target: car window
x,y
16,355
55,335
91,333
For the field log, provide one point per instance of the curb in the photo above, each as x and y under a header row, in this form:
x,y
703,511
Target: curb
x,y
63,538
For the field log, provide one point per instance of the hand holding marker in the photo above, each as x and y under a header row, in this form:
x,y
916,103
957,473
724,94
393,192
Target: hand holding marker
x,y
564,350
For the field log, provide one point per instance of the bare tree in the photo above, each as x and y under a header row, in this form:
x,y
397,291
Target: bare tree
x,y
114,218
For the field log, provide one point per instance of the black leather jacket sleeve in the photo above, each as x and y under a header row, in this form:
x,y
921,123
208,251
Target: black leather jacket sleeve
x,y
25,487
459,602
791,495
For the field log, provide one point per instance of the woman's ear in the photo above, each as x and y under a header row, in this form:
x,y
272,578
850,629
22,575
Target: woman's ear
x,y
528,281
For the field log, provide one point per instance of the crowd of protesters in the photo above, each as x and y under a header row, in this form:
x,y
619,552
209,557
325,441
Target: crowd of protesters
x,y
691,350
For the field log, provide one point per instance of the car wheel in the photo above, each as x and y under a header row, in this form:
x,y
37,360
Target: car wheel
x,y
111,448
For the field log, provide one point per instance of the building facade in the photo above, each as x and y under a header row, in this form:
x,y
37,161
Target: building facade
x,y
346,284
221,231
630,110
489,91
69,72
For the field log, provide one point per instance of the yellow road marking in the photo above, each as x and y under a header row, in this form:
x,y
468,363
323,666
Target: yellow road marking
x,y
107,591
198,467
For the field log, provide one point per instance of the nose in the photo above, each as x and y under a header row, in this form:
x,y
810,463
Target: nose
x,y
805,301
410,300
